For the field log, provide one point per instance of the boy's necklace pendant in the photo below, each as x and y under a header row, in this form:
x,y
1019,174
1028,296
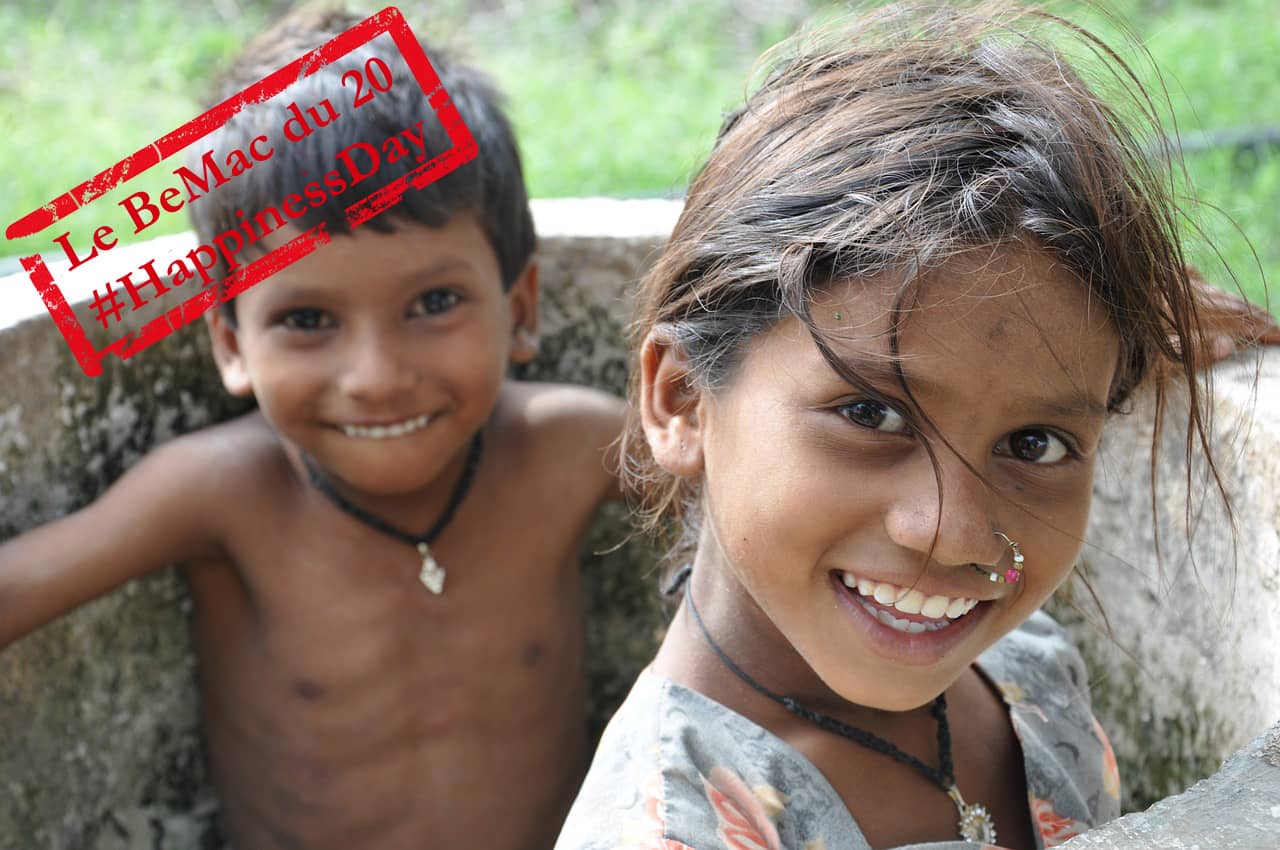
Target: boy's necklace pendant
x,y
432,574
975,821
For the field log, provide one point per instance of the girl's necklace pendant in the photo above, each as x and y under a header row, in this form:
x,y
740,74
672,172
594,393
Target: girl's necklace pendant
x,y
432,574
975,821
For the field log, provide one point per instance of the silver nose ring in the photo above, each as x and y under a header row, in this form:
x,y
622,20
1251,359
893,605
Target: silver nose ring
x,y
1010,576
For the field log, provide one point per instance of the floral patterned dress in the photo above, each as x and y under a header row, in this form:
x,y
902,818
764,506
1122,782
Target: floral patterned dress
x,y
678,771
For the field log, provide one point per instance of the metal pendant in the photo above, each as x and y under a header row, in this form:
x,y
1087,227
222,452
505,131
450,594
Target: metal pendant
x,y
975,821
432,574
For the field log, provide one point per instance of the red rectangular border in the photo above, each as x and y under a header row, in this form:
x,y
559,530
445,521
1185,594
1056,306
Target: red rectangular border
x,y
390,21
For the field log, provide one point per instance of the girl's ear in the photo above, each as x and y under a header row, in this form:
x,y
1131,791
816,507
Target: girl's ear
x,y
523,298
226,353
669,407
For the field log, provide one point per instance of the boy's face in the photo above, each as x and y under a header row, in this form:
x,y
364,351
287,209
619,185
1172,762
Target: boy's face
x,y
380,355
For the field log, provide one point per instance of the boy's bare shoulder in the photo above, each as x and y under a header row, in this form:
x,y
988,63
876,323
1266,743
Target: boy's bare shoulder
x,y
573,428
562,411
240,456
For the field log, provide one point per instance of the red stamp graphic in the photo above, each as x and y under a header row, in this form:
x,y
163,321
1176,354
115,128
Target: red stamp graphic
x,y
190,273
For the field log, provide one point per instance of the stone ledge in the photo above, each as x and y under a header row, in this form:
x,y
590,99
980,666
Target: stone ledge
x,y
1238,808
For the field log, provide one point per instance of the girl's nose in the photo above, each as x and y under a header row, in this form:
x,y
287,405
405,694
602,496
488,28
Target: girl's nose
x,y
376,368
949,512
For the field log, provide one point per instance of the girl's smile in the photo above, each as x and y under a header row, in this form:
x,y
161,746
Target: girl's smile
x,y
843,521
902,637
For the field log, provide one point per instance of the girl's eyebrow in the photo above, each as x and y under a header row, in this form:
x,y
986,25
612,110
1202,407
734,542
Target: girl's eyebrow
x,y
884,371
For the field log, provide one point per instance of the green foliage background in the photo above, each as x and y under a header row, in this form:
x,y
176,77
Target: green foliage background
x,y
616,97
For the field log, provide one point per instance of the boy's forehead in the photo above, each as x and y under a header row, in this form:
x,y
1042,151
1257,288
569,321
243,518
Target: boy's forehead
x,y
409,250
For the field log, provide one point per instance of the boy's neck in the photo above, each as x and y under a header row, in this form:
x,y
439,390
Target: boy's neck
x,y
412,511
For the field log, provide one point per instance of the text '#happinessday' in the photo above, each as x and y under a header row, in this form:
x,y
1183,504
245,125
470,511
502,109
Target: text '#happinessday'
x,y
353,164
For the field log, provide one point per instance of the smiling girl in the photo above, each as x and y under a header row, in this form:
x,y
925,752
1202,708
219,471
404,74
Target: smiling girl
x,y
922,266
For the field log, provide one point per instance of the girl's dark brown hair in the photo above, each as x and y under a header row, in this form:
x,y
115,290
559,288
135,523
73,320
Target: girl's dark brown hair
x,y
892,143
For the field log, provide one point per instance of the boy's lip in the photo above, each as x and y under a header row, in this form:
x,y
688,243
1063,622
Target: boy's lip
x,y
383,428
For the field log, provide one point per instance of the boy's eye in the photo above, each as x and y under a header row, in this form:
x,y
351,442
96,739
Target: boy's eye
x,y
307,319
434,302
874,415
1034,445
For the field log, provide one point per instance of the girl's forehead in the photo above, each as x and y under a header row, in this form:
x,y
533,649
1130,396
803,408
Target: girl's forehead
x,y
1008,321
999,296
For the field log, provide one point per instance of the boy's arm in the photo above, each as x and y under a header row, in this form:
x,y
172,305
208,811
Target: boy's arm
x,y
156,513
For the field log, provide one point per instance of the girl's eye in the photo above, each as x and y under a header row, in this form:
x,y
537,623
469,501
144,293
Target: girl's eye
x,y
1034,445
307,319
435,302
874,415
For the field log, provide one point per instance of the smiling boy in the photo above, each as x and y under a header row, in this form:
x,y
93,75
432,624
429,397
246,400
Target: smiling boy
x,y
383,557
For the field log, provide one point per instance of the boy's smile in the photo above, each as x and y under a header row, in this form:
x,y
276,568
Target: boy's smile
x,y
824,536
382,432
381,354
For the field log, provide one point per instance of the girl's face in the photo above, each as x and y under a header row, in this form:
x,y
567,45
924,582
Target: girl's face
x,y
810,487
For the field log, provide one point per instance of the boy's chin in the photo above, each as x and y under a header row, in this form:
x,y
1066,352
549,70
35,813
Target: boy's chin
x,y
377,478
369,467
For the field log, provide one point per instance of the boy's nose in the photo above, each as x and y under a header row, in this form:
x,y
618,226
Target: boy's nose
x,y
950,512
376,369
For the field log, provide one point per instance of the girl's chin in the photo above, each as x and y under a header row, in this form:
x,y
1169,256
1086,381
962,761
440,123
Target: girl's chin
x,y
898,698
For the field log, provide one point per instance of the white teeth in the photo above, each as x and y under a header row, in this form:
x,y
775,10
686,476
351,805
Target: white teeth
x,y
935,607
885,593
381,432
907,626
908,602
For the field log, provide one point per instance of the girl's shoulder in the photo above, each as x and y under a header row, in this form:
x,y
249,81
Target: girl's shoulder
x,y
1040,654
1072,779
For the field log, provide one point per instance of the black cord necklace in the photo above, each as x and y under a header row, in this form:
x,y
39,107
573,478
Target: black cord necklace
x,y
432,574
975,822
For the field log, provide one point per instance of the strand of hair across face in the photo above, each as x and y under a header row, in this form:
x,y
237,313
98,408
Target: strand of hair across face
x,y
943,775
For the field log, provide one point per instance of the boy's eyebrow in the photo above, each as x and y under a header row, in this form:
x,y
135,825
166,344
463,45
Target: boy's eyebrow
x,y
303,290
448,264
1076,404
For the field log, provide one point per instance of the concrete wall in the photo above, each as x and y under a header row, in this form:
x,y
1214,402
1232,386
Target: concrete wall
x,y
99,741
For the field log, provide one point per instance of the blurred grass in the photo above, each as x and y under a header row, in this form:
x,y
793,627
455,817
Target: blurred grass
x,y
617,97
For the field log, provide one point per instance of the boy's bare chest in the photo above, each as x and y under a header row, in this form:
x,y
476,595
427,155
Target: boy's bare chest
x,y
337,672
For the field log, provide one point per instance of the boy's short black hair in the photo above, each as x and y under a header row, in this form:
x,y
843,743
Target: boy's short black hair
x,y
490,187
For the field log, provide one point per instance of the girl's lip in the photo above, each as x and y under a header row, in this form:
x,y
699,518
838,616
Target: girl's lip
x,y
913,649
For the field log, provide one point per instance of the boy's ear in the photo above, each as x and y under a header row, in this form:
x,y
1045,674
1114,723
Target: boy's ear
x,y
523,298
226,353
669,407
